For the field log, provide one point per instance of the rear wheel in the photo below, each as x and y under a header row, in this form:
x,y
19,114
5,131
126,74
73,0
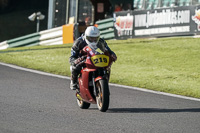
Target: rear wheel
x,y
103,96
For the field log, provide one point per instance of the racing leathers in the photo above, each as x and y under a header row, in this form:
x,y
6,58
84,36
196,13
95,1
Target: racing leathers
x,y
76,57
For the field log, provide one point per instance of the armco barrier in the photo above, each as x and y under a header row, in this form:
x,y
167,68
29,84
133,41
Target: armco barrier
x,y
54,41
28,40
59,35
106,28
51,37
4,45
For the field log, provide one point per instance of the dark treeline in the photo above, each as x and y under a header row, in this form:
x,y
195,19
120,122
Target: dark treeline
x,y
11,5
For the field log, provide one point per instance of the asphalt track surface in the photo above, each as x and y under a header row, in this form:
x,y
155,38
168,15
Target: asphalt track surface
x,y
37,103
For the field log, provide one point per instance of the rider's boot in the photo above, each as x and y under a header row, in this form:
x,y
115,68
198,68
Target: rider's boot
x,y
73,84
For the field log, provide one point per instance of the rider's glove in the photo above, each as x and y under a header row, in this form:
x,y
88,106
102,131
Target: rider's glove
x,y
79,60
114,57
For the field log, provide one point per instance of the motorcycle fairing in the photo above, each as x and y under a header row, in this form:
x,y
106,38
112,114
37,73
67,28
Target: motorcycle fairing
x,y
84,85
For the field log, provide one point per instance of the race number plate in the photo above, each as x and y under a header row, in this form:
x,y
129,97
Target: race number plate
x,y
100,60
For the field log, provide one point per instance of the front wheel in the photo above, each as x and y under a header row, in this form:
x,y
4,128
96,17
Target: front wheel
x,y
103,96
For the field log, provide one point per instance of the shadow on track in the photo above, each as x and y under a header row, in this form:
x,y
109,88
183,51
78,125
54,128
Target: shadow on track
x,y
150,110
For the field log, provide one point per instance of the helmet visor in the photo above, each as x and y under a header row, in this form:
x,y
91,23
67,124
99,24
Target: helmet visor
x,y
92,39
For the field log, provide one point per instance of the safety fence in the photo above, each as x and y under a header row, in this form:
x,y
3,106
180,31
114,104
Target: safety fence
x,y
4,45
106,28
59,35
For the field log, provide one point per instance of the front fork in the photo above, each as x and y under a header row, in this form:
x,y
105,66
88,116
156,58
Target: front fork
x,y
94,85
106,75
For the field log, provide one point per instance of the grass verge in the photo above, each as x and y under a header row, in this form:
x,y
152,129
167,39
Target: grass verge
x,y
169,65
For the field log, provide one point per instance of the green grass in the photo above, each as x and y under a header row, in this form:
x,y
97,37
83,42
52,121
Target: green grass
x,y
168,65
52,59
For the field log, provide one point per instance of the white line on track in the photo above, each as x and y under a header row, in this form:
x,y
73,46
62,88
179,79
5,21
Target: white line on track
x,y
122,86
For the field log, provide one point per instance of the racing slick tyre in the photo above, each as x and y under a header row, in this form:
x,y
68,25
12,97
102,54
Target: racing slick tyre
x,y
103,95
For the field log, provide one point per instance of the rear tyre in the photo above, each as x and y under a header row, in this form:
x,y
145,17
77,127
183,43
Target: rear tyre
x,y
103,96
82,104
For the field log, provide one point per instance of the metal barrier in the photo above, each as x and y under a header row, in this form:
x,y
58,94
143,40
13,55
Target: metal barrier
x,y
4,45
59,35
51,37
55,36
106,28
28,40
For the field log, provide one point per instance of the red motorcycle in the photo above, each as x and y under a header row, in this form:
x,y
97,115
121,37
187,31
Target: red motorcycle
x,y
93,80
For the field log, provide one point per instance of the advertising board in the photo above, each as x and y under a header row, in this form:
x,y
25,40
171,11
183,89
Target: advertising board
x,y
123,25
157,23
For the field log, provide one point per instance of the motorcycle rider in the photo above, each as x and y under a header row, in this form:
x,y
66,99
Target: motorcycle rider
x,y
90,38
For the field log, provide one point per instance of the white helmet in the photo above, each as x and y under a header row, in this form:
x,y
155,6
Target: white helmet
x,y
92,36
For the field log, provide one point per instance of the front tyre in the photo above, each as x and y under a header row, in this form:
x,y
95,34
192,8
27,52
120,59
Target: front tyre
x,y
103,96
